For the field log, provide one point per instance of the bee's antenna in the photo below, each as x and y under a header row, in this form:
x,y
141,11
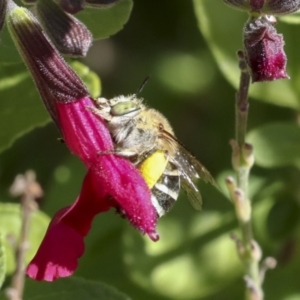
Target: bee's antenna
x,y
145,81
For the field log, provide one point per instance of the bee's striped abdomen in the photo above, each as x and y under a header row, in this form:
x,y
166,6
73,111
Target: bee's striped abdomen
x,y
166,190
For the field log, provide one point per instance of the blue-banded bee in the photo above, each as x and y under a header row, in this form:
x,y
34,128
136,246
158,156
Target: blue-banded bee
x,y
145,137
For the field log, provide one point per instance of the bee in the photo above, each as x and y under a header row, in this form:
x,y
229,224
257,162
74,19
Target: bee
x,y
145,137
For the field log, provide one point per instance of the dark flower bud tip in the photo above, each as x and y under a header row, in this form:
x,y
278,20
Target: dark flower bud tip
x,y
50,72
269,7
71,6
70,36
264,51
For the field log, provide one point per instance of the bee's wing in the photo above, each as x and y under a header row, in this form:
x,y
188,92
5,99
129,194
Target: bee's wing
x,y
190,169
191,191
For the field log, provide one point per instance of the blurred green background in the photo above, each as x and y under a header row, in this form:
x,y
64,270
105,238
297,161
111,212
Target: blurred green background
x,y
188,48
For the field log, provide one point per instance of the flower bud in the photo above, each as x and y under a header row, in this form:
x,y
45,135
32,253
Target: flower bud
x,y
242,206
247,154
231,186
256,252
53,78
268,7
264,51
71,6
280,7
69,35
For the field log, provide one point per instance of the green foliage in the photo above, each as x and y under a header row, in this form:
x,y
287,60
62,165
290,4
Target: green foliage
x,y
10,225
91,79
105,22
187,256
283,218
8,52
276,144
70,289
2,261
19,101
291,19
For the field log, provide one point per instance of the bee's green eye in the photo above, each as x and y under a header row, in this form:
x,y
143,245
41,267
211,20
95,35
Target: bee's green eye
x,y
123,108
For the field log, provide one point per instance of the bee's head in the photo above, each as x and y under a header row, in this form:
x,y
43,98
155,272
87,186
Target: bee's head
x,y
125,105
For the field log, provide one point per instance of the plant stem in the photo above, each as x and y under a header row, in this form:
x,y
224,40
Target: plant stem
x,y
26,187
19,276
242,161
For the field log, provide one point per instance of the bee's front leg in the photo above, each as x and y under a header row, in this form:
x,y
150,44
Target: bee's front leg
x,y
102,109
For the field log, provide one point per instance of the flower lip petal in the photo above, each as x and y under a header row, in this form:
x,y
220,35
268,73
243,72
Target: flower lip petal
x,y
63,243
57,255
124,183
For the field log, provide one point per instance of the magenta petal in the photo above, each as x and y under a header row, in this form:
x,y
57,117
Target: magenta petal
x,y
84,132
92,200
264,51
57,255
125,184
63,243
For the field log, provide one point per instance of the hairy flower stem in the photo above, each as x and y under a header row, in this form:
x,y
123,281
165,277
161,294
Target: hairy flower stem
x,y
29,190
242,162
242,104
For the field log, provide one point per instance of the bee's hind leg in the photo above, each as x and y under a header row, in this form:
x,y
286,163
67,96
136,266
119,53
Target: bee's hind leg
x,y
123,152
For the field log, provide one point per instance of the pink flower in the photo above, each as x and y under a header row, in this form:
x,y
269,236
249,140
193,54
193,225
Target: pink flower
x,y
111,181
264,51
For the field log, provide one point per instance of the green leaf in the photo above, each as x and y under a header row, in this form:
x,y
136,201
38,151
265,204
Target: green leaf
x,y
283,218
70,289
276,144
8,51
21,109
222,28
104,22
193,259
288,256
90,78
10,226
2,261
292,19
185,72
